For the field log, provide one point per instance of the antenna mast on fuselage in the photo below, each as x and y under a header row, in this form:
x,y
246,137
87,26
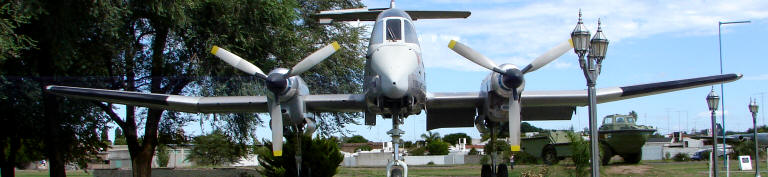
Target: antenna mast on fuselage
x,y
392,4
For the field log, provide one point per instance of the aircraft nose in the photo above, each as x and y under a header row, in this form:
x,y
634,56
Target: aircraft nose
x,y
394,88
394,65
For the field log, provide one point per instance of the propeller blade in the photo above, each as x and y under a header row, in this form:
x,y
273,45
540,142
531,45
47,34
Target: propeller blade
x,y
514,124
314,58
237,62
549,56
474,56
277,126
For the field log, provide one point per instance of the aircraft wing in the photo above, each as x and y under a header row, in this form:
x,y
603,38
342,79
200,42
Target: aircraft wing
x,y
216,104
364,14
446,110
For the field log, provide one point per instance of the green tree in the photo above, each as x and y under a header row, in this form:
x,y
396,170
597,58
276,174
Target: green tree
x,y
320,157
216,149
356,139
580,155
162,155
119,137
453,138
429,136
364,148
437,147
526,127
633,113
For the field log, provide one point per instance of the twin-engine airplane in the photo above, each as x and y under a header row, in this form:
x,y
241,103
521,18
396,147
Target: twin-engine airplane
x,y
394,87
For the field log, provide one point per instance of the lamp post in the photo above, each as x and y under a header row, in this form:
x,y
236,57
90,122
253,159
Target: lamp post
x,y
712,102
753,109
722,91
591,67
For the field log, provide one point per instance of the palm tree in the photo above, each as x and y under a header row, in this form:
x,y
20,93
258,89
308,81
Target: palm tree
x,y
429,136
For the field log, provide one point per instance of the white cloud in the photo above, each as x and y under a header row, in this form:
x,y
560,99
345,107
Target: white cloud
x,y
707,114
517,33
761,77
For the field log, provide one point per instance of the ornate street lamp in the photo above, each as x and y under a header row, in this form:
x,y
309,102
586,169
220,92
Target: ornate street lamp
x,y
712,101
753,109
597,48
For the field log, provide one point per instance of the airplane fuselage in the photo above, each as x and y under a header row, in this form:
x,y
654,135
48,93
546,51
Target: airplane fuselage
x,y
394,72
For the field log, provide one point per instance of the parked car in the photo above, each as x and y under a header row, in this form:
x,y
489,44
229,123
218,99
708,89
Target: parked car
x,y
704,154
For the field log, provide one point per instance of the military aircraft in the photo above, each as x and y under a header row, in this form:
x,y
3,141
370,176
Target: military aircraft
x,y
394,87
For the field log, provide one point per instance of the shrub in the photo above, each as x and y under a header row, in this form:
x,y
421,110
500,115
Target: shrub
x,y
162,155
580,155
216,149
667,156
320,156
364,148
679,157
525,158
473,151
437,148
418,151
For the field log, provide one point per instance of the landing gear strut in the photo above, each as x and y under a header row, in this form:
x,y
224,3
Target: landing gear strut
x,y
493,169
395,133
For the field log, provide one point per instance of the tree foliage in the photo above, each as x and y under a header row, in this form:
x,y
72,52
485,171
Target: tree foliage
x,y
162,156
356,139
580,156
437,147
429,136
320,157
453,138
216,149
526,127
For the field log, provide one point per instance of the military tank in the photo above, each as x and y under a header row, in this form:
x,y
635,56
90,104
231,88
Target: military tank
x,y
620,135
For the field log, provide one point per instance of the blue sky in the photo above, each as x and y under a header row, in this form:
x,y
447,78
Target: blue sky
x,y
650,41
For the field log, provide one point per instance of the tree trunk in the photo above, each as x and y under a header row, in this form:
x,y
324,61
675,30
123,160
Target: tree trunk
x,y
7,170
55,157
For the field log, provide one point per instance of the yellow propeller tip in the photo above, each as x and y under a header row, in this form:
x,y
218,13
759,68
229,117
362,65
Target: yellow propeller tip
x,y
514,148
451,44
277,153
336,45
214,49
570,41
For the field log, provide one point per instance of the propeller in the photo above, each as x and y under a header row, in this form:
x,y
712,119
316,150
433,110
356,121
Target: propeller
x,y
277,83
512,78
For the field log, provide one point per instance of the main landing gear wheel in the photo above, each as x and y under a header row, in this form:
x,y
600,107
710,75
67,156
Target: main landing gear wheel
x,y
397,172
486,171
549,155
502,171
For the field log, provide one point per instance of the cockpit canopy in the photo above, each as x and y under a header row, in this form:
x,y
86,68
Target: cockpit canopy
x,y
394,27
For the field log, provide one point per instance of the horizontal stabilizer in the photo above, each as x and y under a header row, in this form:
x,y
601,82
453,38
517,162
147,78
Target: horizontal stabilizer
x,y
364,14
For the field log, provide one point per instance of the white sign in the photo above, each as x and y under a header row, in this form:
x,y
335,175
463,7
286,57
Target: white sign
x,y
745,163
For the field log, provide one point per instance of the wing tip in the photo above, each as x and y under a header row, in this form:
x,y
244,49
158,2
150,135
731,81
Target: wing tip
x,y
214,49
335,45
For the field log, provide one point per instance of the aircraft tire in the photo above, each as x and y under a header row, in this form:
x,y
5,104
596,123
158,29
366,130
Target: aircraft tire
x,y
397,172
549,155
486,171
502,171
633,158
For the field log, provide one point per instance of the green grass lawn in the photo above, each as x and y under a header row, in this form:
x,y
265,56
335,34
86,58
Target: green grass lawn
x,y
44,173
635,170
645,168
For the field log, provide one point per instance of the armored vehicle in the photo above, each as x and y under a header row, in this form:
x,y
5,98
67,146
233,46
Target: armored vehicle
x,y
620,135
